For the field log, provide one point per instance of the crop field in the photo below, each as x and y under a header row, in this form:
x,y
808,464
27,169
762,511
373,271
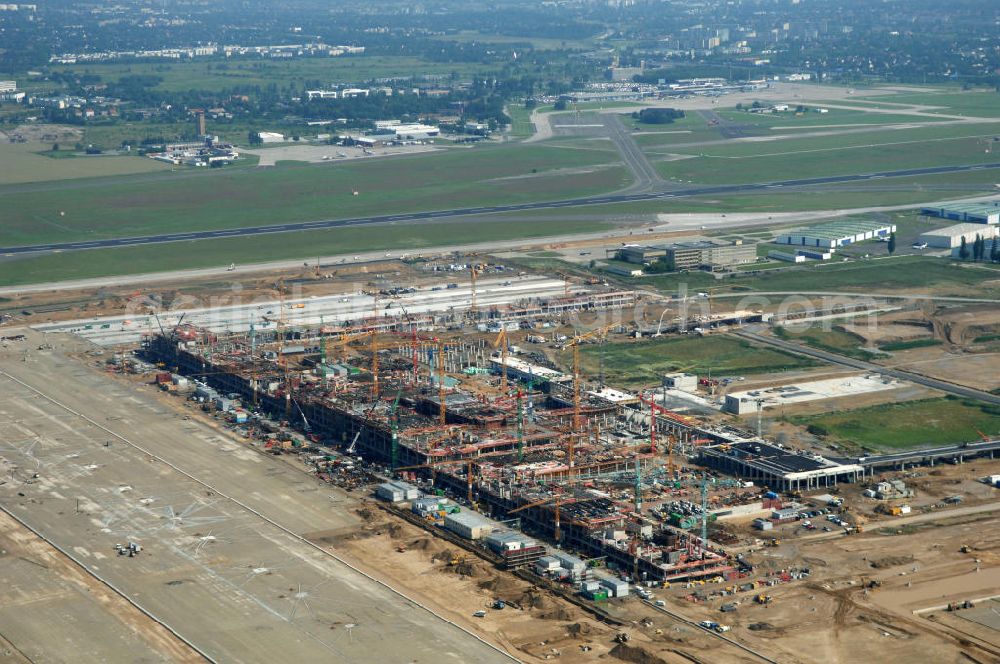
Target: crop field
x,y
220,74
645,362
216,200
25,162
305,245
910,424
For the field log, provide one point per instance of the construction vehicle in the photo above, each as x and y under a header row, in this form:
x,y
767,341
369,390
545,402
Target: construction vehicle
x,y
762,599
773,542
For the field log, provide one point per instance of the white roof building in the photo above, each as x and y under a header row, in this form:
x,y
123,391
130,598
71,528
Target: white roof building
x,y
950,237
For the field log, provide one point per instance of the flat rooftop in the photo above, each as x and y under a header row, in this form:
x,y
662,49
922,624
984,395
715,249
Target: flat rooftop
x,y
831,388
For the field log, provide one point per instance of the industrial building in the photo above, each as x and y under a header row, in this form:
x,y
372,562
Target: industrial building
x,y
691,255
987,212
836,234
749,402
778,468
951,237
786,257
271,137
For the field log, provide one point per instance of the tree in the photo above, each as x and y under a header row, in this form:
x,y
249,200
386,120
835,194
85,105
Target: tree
x,y
995,251
892,243
659,115
560,105
963,251
978,248
55,147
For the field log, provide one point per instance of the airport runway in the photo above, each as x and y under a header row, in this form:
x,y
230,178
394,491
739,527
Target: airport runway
x,y
461,212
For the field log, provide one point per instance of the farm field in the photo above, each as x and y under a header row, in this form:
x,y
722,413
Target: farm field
x,y
644,362
306,245
927,422
459,178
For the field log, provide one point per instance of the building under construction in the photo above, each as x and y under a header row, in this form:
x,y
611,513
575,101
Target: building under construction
x,y
448,410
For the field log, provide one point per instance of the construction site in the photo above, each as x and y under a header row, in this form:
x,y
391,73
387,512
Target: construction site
x,y
481,460
458,411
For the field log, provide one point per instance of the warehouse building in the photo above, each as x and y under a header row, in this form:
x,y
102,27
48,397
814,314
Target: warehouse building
x,y
469,525
691,255
951,236
836,234
971,213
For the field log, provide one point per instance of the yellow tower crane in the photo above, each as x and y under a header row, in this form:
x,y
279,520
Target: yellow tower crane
x,y
501,343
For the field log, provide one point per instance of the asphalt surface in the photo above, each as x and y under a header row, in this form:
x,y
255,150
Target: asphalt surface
x,y
833,358
461,212
647,179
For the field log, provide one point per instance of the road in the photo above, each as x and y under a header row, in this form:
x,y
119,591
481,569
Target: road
x,y
896,522
833,358
463,212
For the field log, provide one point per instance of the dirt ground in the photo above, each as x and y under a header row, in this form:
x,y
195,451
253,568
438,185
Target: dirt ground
x,y
539,625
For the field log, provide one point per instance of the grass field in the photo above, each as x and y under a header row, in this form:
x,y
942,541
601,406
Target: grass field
x,y
909,344
484,175
913,274
836,340
812,120
521,125
978,103
911,424
305,245
25,162
538,43
839,155
645,362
